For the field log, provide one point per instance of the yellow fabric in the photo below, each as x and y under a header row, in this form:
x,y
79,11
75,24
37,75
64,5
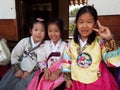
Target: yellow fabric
x,y
89,74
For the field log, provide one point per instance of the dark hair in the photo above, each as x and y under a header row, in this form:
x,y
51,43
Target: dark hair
x,y
81,11
58,22
41,21
36,20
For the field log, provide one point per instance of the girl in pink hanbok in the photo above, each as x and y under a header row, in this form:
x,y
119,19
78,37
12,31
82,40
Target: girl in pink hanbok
x,y
51,59
87,54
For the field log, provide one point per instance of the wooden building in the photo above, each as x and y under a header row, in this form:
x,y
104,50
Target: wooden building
x,y
15,29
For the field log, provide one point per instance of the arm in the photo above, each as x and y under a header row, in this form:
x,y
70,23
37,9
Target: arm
x,y
66,67
41,59
16,54
55,75
110,49
46,73
111,53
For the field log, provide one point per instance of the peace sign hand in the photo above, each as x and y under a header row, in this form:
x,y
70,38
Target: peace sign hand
x,y
104,32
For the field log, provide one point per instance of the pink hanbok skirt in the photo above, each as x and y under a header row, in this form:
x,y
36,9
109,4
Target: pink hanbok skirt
x,y
34,82
105,82
51,85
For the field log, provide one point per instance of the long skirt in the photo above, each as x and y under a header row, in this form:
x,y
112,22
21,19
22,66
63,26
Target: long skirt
x,y
51,85
39,82
105,82
10,82
34,82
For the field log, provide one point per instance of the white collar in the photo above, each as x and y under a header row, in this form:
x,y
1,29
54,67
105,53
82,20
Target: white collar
x,y
56,47
34,44
82,43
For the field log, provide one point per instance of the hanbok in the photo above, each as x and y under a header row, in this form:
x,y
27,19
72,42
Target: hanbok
x,y
23,57
52,57
88,69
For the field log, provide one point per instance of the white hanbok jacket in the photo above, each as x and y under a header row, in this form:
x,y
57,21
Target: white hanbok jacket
x,y
25,54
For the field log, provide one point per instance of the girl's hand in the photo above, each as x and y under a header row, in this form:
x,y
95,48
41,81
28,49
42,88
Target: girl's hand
x,y
25,74
104,32
55,75
68,83
46,73
19,73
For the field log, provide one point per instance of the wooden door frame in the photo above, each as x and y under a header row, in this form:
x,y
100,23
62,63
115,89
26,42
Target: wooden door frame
x,y
22,9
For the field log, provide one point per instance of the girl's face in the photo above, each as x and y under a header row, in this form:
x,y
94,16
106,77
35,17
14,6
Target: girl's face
x,y
85,25
54,33
38,32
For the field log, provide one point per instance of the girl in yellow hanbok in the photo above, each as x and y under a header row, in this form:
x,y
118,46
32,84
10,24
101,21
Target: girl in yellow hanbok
x,y
87,55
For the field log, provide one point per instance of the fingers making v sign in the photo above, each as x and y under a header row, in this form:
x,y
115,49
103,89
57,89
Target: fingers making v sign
x,y
103,31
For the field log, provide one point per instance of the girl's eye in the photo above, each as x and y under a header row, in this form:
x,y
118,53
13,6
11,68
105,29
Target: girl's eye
x,y
36,29
89,21
49,30
42,30
56,30
80,22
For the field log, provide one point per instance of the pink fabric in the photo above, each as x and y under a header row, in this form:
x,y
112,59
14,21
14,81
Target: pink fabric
x,y
34,82
50,85
105,82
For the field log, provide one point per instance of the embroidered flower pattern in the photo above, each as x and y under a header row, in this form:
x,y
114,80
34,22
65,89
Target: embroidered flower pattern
x,y
84,60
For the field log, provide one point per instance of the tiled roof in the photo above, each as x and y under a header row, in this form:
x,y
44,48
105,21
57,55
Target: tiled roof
x,y
73,2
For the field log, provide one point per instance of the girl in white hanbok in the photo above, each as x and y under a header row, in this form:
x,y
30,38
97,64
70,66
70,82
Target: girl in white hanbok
x,y
24,58
52,56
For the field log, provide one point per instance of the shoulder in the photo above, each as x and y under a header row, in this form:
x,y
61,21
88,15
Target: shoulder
x,y
67,44
71,44
99,39
64,43
24,40
46,42
43,43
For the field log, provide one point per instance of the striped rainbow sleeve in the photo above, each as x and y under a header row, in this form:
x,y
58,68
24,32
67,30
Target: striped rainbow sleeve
x,y
110,52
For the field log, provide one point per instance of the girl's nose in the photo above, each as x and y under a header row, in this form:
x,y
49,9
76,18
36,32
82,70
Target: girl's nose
x,y
53,33
84,25
39,32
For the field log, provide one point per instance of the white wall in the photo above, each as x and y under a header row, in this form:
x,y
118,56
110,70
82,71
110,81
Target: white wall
x,y
7,9
106,7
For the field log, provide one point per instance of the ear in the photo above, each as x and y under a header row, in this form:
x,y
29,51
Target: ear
x,y
30,31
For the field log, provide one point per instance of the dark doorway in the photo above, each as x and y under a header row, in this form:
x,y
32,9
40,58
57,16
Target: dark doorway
x,y
28,9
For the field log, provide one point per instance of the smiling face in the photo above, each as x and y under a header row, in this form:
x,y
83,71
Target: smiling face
x,y
54,33
38,32
85,25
